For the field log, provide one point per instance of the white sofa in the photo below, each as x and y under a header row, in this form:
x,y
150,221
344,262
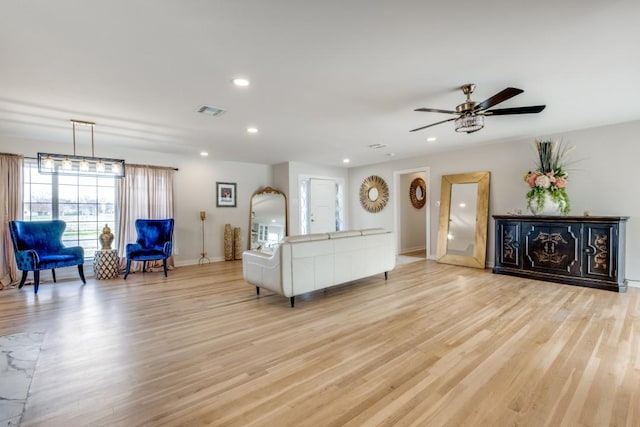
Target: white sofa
x,y
310,262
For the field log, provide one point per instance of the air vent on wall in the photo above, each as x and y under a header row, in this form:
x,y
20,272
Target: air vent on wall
x,y
211,111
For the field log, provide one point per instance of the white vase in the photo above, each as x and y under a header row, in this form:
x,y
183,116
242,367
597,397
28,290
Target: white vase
x,y
550,207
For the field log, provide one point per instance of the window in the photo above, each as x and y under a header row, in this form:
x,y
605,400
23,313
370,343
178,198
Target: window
x,y
85,203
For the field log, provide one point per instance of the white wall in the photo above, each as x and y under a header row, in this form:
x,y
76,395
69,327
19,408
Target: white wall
x,y
194,191
602,180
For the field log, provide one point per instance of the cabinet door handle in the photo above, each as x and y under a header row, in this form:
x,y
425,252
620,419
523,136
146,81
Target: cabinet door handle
x,y
589,250
515,244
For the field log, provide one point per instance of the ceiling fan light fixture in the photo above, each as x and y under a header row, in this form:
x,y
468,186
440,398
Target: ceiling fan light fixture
x,y
469,124
471,114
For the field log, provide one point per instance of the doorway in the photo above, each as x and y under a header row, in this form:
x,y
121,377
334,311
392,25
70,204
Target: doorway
x,y
412,224
321,204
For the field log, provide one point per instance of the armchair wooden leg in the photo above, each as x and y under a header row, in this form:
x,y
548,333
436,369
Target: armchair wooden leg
x,y
53,273
293,301
126,272
24,278
144,266
386,275
81,271
164,265
36,281
257,290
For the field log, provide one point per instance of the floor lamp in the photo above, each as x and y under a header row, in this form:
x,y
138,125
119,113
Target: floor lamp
x,y
203,254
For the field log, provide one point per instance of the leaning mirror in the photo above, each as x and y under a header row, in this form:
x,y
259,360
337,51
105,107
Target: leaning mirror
x,y
464,211
268,219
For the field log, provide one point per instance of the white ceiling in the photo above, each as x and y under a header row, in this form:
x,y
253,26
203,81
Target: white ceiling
x,y
328,78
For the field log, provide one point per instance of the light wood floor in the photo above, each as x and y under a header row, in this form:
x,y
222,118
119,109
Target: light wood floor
x,y
422,253
435,345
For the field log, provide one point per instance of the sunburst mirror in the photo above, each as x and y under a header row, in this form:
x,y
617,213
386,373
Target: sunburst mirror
x,y
418,193
374,194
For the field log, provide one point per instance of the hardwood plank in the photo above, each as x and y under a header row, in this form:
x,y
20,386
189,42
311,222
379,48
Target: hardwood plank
x,y
434,345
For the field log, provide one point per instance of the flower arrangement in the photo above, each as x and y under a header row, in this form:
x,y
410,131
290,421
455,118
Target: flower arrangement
x,y
550,178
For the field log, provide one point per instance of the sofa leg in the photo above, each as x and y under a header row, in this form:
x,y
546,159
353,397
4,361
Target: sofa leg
x,y
144,266
36,281
24,278
293,301
257,290
53,273
81,272
386,276
126,271
164,265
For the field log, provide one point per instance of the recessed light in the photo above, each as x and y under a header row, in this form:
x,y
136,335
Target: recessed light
x,y
463,205
204,153
252,130
346,160
240,82
431,139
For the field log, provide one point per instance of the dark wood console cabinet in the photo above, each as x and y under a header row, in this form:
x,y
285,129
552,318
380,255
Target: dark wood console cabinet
x,y
575,250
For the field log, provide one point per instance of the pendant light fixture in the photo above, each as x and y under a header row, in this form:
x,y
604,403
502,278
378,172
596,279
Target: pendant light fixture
x,y
62,164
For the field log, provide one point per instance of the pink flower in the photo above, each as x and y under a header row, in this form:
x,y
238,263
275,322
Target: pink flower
x,y
560,182
531,179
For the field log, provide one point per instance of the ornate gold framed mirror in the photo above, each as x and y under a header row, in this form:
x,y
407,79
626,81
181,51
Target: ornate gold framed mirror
x,y
267,219
374,194
464,211
418,193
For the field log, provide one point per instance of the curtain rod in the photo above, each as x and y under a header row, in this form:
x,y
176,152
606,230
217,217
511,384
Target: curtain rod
x,y
151,166
126,164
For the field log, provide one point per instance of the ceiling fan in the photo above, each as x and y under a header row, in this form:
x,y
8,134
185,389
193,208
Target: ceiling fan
x,y
471,114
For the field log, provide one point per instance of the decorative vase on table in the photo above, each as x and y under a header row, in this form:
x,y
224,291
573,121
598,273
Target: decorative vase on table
x,y
549,205
547,184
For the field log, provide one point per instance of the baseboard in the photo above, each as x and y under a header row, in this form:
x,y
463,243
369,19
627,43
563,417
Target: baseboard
x,y
414,249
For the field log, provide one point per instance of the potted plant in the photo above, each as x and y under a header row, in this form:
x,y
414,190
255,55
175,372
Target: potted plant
x,y
547,184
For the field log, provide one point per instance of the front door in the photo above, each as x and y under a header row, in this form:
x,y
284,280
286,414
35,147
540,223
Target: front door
x,y
322,205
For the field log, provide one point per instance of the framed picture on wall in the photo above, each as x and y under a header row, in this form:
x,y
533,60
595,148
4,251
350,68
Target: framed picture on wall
x,y
226,194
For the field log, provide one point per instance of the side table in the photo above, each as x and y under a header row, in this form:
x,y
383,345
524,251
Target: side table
x,y
105,264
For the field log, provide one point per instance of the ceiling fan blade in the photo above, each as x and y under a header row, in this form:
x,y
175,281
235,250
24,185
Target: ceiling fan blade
x,y
499,97
432,124
517,110
436,110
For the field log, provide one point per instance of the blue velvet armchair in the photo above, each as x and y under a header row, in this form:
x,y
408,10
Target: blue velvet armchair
x,y
155,241
38,246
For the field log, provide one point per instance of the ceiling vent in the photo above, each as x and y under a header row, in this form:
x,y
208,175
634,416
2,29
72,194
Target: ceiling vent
x,y
377,146
211,111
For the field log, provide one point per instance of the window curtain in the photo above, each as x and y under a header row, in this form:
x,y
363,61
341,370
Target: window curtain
x,y
11,187
146,192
